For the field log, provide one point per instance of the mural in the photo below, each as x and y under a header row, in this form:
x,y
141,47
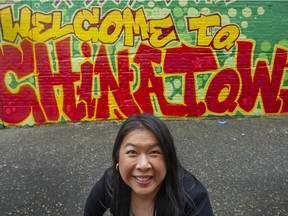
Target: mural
x,y
85,60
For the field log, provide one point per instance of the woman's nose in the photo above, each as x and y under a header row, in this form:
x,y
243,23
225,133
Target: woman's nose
x,y
143,162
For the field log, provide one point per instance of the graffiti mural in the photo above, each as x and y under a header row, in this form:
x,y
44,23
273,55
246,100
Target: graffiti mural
x,y
77,60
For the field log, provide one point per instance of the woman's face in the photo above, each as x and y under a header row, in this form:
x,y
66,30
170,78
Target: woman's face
x,y
141,163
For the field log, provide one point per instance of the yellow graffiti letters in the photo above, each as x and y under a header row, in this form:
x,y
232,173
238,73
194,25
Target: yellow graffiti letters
x,y
162,32
88,25
108,29
224,38
10,29
111,27
48,26
201,24
135,26
37,27
85,24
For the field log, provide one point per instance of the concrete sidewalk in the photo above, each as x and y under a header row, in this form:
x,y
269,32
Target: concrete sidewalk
x,y
49,170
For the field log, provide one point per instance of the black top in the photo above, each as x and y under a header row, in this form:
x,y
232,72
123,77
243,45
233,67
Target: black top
x,y
196,196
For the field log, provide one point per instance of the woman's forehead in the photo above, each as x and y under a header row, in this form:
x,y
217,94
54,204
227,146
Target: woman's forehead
x,y
140,136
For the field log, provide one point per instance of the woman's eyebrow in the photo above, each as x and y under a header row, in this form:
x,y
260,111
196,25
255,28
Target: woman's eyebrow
x,y
156,144
135,145
130,144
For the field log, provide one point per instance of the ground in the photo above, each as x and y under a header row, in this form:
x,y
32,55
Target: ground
x,y
50,169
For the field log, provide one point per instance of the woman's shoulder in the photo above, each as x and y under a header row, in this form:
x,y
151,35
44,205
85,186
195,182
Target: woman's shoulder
x,y
99,198
105,179
195,194
188,180
108,173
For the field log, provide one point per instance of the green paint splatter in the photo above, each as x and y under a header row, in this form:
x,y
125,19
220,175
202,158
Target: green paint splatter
x,y
181,24
155,103
283,43
285,83
178,12
96,91
158,69
186,37
173,88
266,46
136,77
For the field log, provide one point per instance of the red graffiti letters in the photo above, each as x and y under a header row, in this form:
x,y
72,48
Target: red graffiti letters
x,y
35,87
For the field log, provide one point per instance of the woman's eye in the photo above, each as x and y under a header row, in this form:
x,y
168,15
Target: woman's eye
x,y
131,152
156,152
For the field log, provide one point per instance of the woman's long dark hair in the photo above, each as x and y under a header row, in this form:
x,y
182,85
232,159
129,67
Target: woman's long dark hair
x,y
168,199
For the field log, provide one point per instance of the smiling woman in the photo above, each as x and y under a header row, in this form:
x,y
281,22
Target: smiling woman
x,y
146,177
142,167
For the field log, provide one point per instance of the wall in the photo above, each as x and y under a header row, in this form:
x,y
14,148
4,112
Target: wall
x,y
85,60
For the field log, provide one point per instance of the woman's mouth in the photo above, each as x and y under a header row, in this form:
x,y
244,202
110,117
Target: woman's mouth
x,y
143,180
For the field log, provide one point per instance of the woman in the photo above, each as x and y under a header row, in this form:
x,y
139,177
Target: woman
x,y
146,178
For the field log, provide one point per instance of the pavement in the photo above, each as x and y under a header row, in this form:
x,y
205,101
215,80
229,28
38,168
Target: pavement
x,y
50,169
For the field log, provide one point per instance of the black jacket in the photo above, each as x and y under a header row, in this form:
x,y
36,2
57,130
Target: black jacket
x,y
195,196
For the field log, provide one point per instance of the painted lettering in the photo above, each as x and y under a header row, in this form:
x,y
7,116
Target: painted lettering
x,y
22,101
88,25
89,60
227,91
224,38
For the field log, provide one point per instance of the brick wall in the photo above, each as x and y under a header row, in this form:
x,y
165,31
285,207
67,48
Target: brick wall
x,y
92,60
